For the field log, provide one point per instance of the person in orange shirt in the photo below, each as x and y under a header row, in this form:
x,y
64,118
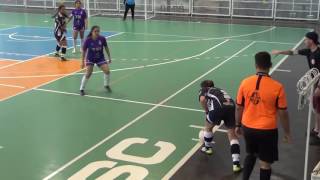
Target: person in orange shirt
x,y
260,100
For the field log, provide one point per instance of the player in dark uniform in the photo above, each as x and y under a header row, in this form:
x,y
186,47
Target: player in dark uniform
x,y
80,23
92,54
60,31
312,53
218,106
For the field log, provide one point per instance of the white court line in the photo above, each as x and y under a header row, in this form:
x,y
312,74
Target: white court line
x,y
129,68
283,70
9,60
4,29
186,157
201,127
198,145
13,64
116,99
204,39
142,115
18,54
14,86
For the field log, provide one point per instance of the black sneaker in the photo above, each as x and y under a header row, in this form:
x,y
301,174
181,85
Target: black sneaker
x,y
108,88
313,133
82,93
315,141
63,59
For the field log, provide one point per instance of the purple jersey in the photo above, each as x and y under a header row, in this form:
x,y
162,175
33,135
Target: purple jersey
x,y
79,16
94,49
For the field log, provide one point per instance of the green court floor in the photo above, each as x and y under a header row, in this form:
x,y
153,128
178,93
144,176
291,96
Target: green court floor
x,y
142,128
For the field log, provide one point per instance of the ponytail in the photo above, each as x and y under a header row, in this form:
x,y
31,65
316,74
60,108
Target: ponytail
x,y
58,10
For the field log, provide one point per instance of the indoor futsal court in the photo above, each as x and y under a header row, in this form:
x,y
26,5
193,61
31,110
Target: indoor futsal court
x,y
148,125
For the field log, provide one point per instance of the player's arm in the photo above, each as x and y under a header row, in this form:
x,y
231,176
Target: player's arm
x,y
203,103
86,21
278,52
284,115
303,52
284,120
84,52
106,47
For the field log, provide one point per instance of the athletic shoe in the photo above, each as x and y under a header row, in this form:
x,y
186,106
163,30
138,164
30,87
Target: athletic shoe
x,y
237,168
207,150
74,50
108,88
315,141
82,93
313,133
63,59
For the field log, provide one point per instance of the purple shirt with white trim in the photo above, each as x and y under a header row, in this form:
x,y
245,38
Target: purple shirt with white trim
x,y
79,16
94,49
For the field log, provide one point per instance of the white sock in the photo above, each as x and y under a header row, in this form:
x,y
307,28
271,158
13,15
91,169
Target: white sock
x,y
81,43
83,82
208,137
74,43
106,79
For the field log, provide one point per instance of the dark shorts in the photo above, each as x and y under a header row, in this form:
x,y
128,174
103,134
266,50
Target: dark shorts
x,y
97,62
226,113
78,28
60,36
262,143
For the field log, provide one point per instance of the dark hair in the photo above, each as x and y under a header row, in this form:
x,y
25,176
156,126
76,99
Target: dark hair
x,y
58,10
91,30
263,60
207,84
77,1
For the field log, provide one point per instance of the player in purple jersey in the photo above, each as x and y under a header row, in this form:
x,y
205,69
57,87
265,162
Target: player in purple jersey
x,y
60,31
92,54
80,23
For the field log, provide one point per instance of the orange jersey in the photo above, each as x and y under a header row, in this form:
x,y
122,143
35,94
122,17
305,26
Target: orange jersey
x,y
261,97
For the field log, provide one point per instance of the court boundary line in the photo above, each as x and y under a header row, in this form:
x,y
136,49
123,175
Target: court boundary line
x,y
52,174
172,41
197,146
116,99
13,86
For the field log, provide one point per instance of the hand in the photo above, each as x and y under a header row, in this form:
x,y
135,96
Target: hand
x,y
110,61
238,131
275,52
287,139
82,65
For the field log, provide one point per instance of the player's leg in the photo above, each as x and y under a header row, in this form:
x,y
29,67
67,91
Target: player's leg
x,y
208,137
252,149
58,47
105,68
230,122
126,12
63,43
265,170
268,152
75,37
82,38
132,11
85,78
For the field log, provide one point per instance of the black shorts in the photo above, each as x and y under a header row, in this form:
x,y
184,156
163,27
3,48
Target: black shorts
x,y
60,35
226,113
262,143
